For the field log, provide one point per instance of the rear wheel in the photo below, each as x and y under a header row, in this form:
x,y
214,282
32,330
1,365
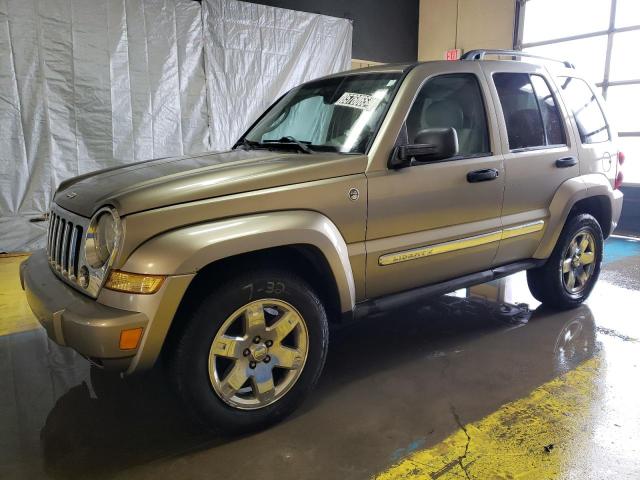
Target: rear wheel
x,y
570,273
251,352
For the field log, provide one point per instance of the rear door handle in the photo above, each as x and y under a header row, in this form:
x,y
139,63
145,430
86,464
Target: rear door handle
x,y
566,162
483,175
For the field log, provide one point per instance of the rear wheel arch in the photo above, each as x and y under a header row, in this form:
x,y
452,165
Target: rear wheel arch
x,y
590,194
597,206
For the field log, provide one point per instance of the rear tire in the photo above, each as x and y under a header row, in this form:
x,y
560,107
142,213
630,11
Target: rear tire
x,y
251,351
572,270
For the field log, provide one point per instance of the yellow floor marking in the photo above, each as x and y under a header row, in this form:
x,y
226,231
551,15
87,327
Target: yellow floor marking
x,y
15,314
510,443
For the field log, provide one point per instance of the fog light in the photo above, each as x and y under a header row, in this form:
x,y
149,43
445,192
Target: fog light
x,y
129,339
134,282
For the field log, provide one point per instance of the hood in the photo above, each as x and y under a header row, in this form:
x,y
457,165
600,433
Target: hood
x,y
169,181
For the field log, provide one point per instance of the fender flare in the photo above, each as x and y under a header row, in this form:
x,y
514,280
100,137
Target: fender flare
x,y
566,196
188,249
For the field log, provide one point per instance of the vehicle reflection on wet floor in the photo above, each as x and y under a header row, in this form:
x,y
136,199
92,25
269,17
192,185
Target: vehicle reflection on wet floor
x,y
398,381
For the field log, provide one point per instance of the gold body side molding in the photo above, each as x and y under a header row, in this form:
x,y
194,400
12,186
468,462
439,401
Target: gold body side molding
x,y
468,242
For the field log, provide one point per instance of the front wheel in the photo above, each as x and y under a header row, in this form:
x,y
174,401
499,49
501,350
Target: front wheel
x,y
570,273
251,352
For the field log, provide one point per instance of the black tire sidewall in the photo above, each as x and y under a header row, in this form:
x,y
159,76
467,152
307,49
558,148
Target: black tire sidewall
x,y
585,223
190,364
547,283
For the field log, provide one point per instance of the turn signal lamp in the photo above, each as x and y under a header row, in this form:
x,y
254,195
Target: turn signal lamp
x,y
129,339
134,282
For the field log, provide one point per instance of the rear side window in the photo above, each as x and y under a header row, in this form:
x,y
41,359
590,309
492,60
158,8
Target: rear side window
x,y
553,128
530,111
581,100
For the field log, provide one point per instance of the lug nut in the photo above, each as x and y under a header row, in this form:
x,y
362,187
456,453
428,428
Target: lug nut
x,y
267,359
256,340
252,364
246,352
268,343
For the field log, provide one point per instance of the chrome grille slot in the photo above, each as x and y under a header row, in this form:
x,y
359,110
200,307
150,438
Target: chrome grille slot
x,y
74,251
64,250
64,243
58,252
52,220
55,242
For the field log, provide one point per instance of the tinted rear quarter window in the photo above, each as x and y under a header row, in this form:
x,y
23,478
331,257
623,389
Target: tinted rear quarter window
x,y
586,110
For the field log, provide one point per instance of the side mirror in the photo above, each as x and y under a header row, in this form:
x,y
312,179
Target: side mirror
x,y
429,145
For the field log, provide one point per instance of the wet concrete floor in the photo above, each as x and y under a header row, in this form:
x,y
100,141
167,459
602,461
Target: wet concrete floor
x,y
456,387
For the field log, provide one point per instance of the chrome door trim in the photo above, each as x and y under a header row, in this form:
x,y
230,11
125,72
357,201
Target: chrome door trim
x,y
523,229
427,251
468,242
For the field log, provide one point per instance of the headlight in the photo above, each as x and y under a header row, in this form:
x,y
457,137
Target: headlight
x,y
103,237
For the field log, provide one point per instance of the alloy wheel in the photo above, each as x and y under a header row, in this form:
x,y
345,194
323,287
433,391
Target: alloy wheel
x,y
579,262
258,354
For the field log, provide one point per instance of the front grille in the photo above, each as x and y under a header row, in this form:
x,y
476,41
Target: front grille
x,y
64,240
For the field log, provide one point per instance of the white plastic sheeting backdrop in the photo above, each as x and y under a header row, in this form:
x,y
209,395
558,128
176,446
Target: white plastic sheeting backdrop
x,y
88,84
254,54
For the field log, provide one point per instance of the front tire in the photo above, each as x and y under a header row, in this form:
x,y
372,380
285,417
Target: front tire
x,y
572,270
251,352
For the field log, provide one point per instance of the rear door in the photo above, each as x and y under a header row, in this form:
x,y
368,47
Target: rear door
x,y
540,152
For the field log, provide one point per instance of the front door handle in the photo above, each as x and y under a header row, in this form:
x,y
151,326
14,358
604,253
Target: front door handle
x,y
566,162
483,175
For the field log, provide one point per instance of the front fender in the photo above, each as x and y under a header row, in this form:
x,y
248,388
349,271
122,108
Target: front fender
x,y
189,249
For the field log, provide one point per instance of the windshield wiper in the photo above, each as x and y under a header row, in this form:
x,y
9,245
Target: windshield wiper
x,y
248,144
289,140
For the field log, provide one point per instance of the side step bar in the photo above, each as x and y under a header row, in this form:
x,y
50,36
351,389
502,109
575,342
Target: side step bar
x,y
399,299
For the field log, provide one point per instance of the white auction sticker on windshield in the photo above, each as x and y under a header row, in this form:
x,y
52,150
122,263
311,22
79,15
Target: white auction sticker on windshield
x,y
360,101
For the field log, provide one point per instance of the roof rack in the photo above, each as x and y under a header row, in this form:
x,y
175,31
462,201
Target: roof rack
x,y
479,55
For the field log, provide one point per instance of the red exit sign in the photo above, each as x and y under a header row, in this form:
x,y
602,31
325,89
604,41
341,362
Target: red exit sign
x,y
453,54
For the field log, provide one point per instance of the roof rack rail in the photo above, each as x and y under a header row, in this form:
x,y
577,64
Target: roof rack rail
x,y
479,55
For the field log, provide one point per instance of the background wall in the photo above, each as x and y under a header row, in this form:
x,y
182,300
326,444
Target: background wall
x,y
465,24
256,53
92,84
383,31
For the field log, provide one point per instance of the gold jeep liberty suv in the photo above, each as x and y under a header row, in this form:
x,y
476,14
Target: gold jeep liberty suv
x,y
351,193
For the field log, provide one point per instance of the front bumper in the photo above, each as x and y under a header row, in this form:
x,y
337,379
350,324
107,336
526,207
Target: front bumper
x,y
75,320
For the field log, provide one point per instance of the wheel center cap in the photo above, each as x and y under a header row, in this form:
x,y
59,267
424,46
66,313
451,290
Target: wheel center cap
x,y
258,352
576,260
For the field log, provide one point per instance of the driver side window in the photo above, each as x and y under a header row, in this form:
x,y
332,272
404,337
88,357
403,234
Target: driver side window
x,y
452,100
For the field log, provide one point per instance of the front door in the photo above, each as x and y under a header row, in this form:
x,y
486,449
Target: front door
x,y
436,221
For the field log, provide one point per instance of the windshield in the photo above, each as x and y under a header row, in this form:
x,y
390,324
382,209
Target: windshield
x,y
338,114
